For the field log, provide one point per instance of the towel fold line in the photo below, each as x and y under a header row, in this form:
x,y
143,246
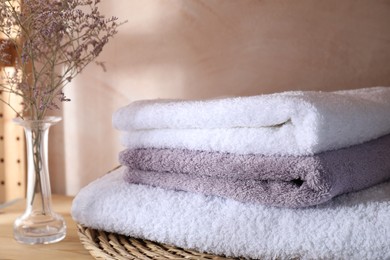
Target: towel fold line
x,y
272,193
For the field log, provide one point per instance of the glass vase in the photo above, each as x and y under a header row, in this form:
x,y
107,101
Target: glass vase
x,y
39,224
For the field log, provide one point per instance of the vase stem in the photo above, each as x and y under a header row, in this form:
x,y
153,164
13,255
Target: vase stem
x,y
39,224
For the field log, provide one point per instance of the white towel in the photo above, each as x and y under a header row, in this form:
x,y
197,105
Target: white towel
x,y
352,226
289,123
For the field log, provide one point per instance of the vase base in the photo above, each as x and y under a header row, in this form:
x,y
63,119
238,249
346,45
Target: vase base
x,y
40,240
39,229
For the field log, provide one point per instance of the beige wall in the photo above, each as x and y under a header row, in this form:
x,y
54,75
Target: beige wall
x,y
209,48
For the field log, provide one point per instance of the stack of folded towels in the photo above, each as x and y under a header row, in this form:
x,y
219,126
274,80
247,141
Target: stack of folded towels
x,y
253,176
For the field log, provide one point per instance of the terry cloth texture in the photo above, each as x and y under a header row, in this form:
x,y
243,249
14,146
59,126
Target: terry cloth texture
x,y
288,123
352,226
284,181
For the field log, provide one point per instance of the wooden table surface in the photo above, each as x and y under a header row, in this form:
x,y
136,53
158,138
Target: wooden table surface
x,y
69,248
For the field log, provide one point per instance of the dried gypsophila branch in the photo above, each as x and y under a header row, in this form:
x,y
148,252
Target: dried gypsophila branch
x,y
54,41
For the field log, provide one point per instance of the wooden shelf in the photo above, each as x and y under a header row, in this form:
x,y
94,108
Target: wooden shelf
x,y
69,248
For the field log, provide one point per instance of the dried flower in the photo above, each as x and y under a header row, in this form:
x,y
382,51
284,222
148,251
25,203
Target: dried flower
x,y
54,41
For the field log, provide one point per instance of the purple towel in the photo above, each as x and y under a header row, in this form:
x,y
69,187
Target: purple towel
x,y
284,181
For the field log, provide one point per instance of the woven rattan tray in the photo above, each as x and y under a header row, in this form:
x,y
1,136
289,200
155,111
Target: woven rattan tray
x,y
105,245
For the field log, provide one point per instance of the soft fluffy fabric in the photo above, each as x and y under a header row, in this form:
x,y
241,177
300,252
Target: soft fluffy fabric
x,y
284,181
295,123
352,226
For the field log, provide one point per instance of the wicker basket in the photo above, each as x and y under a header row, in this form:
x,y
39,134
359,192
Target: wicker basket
x,y
105,245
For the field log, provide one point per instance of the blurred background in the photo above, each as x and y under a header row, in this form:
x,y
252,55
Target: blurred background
x,y
196,49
